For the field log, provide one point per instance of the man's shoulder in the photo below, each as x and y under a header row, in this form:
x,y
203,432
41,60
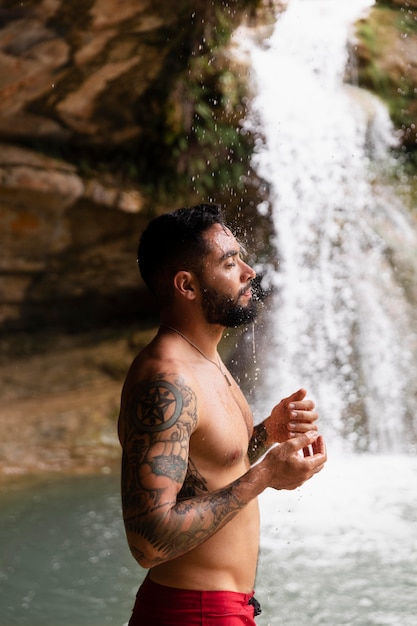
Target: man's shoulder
x,y
160,370
157,394
153,364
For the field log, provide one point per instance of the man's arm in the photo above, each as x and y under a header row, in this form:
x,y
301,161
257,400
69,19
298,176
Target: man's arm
x,y
292,416
158,420
258,443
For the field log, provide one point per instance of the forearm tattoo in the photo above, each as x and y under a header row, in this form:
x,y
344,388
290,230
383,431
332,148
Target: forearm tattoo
x,y
257,444
165,498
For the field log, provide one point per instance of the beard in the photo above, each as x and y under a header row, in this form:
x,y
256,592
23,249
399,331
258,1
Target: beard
x,y
225,310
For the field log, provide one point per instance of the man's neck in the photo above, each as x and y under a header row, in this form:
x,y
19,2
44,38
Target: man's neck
x,y
205,336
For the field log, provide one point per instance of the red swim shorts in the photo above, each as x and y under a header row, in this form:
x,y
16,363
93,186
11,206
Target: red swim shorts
x,y
158,605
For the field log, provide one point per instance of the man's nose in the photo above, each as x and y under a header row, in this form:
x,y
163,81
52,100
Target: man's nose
x,y
248,272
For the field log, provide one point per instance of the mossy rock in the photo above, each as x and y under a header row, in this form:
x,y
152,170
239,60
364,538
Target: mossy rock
x,y
387,62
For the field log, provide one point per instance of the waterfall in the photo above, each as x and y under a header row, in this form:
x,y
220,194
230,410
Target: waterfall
x,y
340,322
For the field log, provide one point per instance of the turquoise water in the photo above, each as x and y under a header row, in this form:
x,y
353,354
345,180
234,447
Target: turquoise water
x,y
341,550
64,558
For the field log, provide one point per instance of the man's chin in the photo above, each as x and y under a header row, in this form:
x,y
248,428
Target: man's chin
x,y
221,310
242,315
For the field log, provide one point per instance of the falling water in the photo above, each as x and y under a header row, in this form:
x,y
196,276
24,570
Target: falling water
x,y
342,550
342,325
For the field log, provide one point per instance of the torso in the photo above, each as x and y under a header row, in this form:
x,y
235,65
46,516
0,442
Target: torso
x,y
217,457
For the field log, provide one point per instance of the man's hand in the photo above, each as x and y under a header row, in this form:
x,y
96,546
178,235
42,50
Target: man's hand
x,y
291,463
293,416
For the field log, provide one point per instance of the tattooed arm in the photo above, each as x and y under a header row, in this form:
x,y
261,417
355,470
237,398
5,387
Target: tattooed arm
x,y
161,521
289,418
166,505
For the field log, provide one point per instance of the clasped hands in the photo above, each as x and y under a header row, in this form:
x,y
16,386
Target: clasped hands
x,y
293,423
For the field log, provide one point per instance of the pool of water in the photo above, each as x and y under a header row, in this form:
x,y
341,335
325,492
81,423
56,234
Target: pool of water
x,y
341,550
64,556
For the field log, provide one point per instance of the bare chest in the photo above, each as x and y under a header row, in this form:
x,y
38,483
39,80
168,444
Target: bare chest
x,y
224,428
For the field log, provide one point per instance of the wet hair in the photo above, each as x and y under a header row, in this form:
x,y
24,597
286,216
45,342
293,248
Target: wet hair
x,y
175,241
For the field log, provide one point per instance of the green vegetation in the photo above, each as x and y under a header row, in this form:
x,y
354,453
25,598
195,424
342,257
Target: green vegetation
x,y
197,142
387,67
377,34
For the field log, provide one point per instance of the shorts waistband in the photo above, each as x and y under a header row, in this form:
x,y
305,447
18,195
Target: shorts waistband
x,y
156,589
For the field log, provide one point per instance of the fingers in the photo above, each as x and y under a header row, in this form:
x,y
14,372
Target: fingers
x,y
293,416
302,441
296,427
310,443
319,446
317,455
304,456
301,424
302,405
297,396
302,416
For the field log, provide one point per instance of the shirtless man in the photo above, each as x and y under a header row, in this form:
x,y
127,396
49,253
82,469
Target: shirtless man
x,y
192,459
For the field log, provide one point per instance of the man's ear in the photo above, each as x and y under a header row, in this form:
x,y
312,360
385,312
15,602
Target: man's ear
x,y
185,284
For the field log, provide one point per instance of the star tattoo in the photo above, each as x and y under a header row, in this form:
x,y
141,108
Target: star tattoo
x,y
158,406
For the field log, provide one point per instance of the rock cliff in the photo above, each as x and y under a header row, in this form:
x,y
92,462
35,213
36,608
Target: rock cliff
x,y
111,111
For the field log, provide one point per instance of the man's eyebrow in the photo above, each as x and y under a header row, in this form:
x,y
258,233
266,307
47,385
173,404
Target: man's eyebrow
x,y
228,254
233,252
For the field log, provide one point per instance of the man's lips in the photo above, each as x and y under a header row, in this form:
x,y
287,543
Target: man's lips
x,y
246,291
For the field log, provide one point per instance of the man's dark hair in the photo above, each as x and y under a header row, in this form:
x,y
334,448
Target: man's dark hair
x,y
175,241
